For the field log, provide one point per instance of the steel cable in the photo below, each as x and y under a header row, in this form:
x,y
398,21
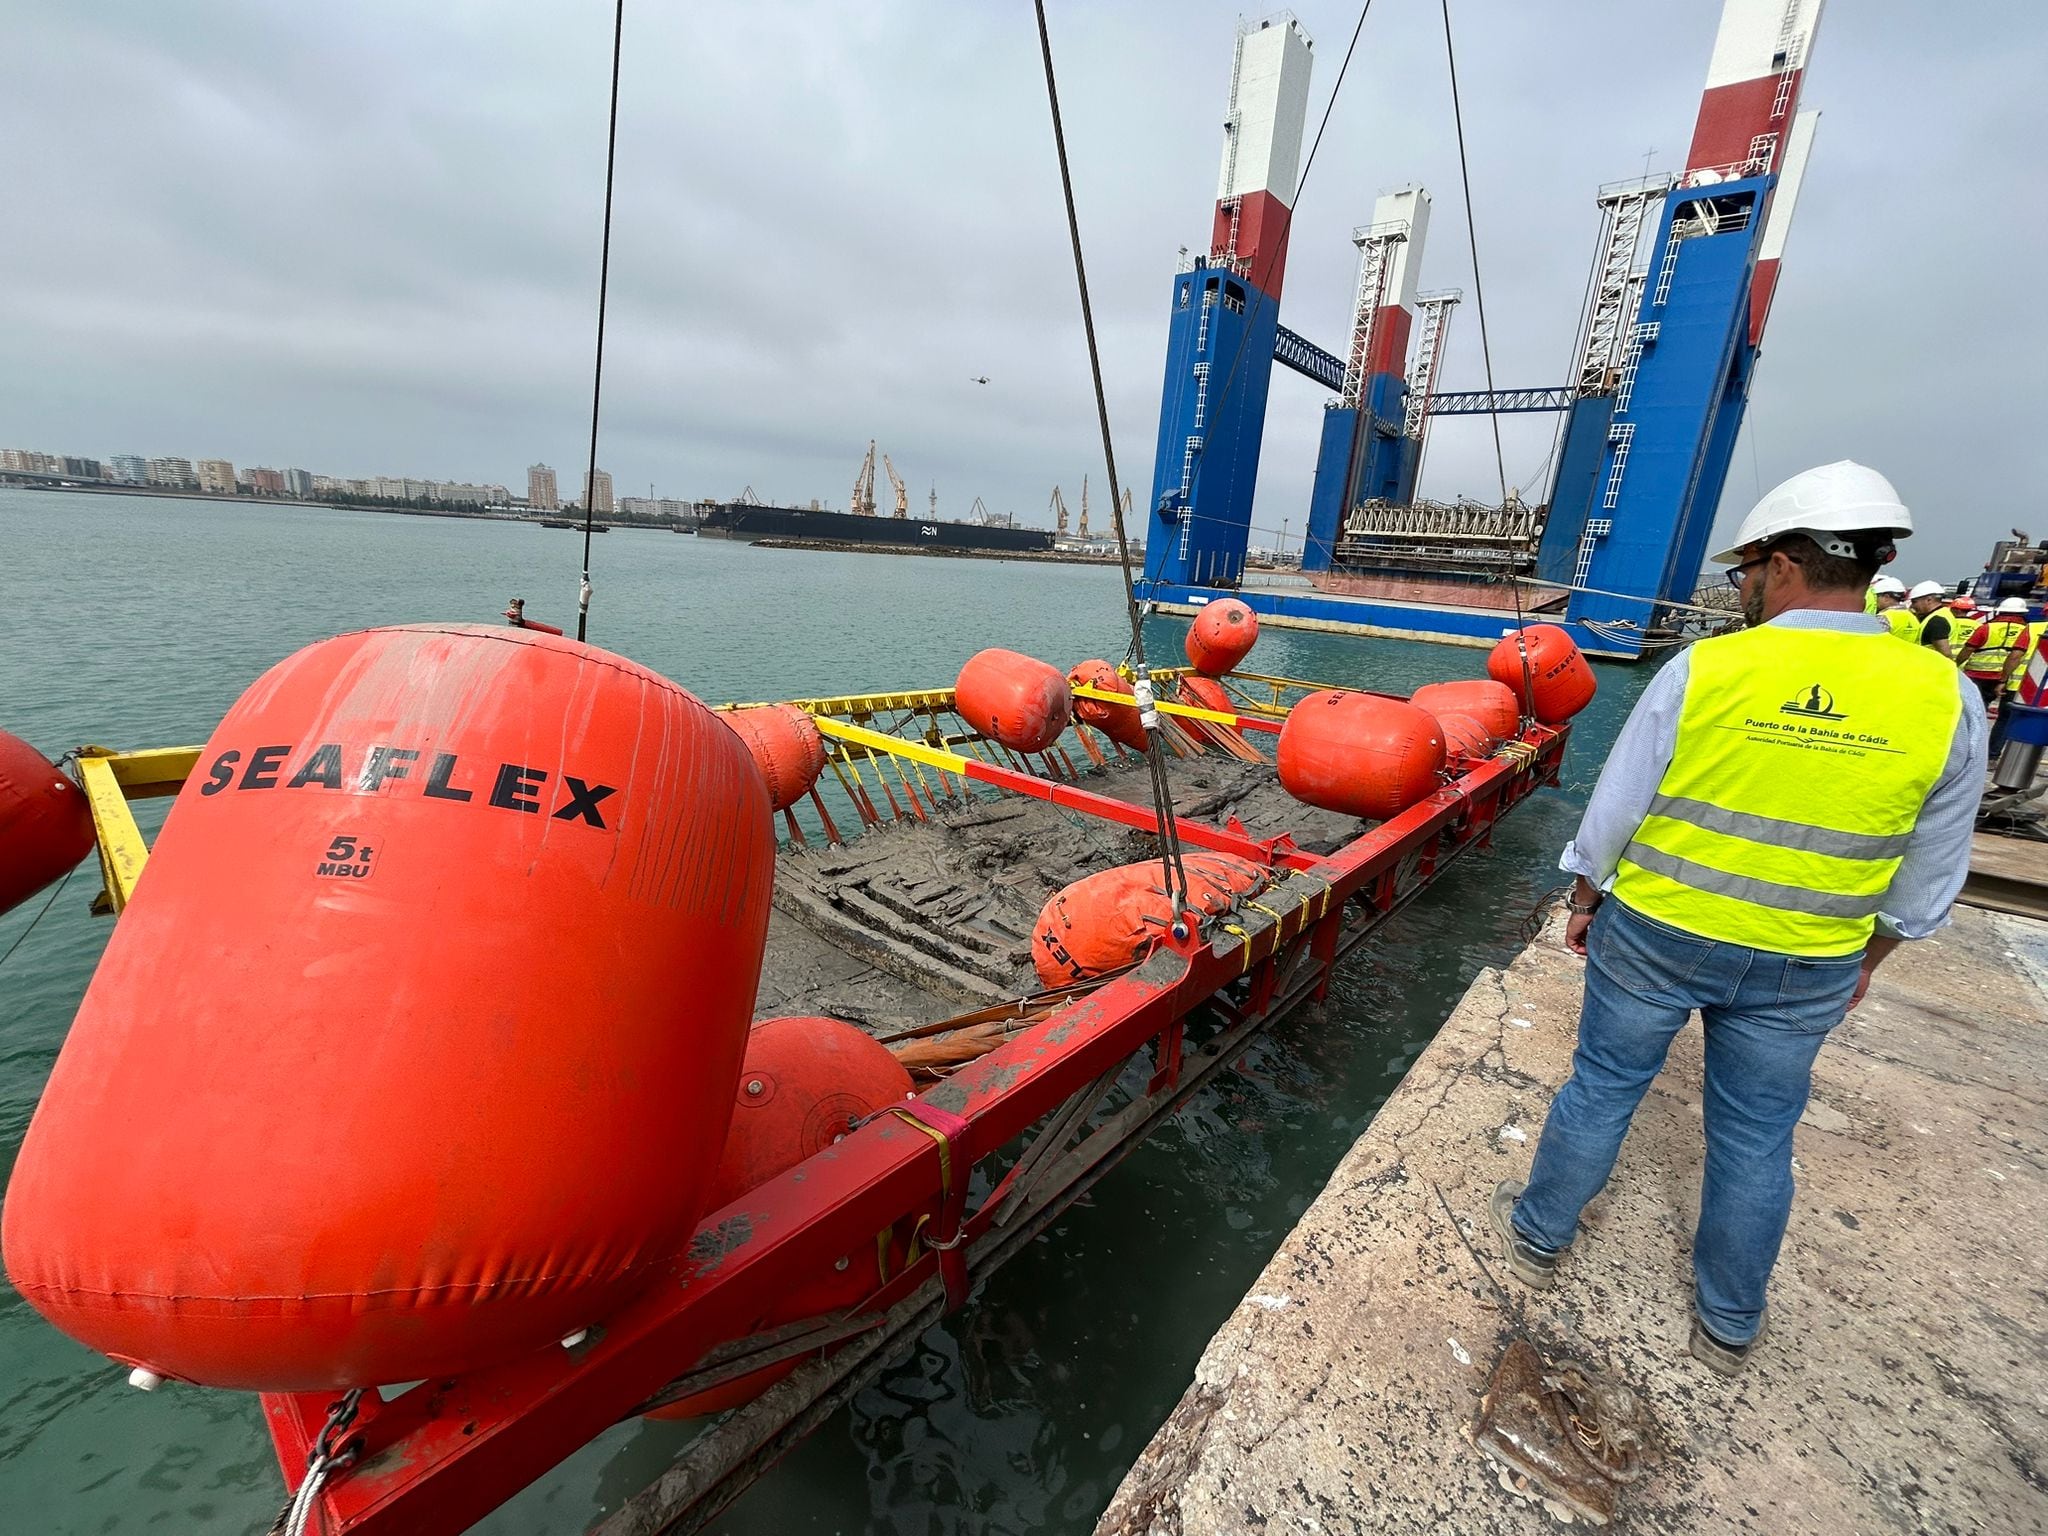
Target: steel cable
x,y
1155,745
1486,347
604,274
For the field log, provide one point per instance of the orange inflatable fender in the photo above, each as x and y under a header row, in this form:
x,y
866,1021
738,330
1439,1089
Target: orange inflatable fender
x,y
1466,737
416,1048
1557,680
1110,919
1482,699
786,746
1221,636
1360,755
1020,701
1119,722
806,1082
45,824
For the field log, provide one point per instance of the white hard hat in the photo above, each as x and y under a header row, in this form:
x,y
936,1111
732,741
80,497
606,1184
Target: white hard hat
x,y
1885,584
1843,497
1927,589
2013,605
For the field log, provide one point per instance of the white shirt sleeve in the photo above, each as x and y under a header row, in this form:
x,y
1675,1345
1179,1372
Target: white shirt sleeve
x,y
1628,782
1937,857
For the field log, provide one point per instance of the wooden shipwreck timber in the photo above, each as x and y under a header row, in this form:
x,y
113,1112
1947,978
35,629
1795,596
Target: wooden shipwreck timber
x,y
910,899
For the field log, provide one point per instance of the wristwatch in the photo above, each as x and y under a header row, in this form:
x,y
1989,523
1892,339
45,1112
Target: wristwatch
x,y
1586,911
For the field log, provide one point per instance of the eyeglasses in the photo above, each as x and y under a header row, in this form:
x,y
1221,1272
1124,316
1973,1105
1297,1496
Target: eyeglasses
x,y
1740,574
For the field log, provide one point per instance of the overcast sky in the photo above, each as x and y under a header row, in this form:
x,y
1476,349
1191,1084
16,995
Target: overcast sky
x,y
363,238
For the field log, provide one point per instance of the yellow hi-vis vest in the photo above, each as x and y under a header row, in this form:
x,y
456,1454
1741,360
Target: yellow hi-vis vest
x,y
1802,760
1904,622
2000,636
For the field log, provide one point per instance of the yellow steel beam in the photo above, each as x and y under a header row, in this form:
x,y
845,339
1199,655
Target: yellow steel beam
x,y
867,703
111,780
154,773
121,847
876,741
1189,711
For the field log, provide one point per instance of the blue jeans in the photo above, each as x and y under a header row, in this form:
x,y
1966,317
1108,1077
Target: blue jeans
x,y
1766,1015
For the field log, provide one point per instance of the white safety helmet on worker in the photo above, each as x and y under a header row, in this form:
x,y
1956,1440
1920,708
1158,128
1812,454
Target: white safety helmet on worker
x,y
1843,497
2016,605
1927,589
1888,584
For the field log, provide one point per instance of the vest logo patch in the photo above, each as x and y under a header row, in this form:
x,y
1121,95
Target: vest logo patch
x,y
1814,702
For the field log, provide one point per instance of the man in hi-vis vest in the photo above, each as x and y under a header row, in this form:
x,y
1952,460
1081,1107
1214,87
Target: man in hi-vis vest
x,y
1784,805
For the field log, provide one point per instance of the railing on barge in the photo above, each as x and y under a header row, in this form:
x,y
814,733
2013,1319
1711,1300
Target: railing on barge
x,y
443,1454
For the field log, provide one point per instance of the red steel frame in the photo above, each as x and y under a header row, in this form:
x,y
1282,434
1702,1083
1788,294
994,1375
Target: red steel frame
x,y
444,1454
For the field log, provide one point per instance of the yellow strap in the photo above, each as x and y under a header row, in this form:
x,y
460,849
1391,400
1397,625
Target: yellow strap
x,y
945,1150
876,741
1279,921
1233,928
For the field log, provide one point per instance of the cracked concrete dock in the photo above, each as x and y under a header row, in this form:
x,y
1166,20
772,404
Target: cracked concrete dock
x,y
1904,1385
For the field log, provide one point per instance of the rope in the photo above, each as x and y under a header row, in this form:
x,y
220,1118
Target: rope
x,y
604,275
1485,344
1141,683
40,915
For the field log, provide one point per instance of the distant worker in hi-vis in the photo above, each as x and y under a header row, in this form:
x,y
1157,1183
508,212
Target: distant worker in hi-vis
x,y
1929,601
1988,650
1887,599
1784,805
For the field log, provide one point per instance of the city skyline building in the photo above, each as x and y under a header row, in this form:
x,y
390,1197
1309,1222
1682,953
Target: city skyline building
x,y
601,502
219,477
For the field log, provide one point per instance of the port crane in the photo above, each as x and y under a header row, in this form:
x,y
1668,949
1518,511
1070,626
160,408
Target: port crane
x,y
1082,531
902,508
1058,507
864,484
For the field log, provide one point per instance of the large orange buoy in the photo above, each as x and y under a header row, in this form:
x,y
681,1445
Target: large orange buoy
x,y
806,1083
416,1048
1359,754
1466,737
786,747
1558,680
1109,919
1223,632
1119,722
45,824
1020,701
1481,698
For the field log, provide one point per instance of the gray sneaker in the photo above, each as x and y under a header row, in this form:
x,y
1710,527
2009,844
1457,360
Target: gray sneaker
x,y
1723,1359
1528,1263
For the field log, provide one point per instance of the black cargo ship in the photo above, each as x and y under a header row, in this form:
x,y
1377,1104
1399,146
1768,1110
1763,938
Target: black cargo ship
x,y
754,522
